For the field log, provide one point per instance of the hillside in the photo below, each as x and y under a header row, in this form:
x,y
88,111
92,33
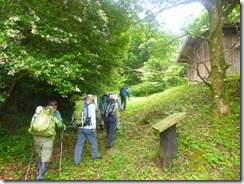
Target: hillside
x,y
207,149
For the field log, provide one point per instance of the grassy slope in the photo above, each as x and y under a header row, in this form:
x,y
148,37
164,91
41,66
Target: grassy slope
x,y
207,149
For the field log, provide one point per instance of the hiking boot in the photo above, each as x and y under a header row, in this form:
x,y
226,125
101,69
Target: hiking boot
x,y
109,147
42,170
77,164
98,157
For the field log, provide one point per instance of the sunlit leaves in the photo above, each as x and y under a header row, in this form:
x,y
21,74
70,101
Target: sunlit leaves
x,y
234,17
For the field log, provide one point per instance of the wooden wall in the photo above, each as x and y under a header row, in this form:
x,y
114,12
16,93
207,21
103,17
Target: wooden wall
x,y
201,52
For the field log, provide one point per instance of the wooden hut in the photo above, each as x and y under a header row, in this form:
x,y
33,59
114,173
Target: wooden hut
x,y
196,50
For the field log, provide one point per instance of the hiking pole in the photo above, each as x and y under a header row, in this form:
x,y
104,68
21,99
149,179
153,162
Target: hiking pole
x,y
28,168
61,151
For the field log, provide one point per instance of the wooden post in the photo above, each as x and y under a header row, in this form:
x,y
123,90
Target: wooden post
x,y
168,137
168,146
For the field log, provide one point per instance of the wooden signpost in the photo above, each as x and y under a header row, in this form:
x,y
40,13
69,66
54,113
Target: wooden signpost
x,y
168,137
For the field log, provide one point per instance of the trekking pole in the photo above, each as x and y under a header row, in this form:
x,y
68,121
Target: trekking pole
x,y
28,168
61,151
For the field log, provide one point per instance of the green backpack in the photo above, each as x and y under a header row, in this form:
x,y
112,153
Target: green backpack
x,y
44,123
78,111
77,115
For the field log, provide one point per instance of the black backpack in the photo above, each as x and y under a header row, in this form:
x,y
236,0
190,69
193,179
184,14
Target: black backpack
x,y
102,102
86,118
109,107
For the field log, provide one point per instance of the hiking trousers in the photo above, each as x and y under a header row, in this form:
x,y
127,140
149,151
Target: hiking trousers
x,y
84,134
123,102
110,125
44,147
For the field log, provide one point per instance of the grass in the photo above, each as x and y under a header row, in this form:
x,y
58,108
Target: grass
x,y
207,149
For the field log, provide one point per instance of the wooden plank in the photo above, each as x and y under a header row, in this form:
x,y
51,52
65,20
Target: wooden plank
x,y
169,121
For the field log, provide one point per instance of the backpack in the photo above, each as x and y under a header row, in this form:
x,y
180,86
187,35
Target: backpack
x,y
77,114
109,107
86,119
78,111
44,123
81,111
102,102
122,92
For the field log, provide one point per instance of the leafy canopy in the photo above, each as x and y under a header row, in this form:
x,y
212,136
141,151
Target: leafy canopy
x,y
63,43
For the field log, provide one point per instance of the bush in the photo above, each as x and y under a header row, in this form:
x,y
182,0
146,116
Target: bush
x,y
3,131
146,89
173,77
16,146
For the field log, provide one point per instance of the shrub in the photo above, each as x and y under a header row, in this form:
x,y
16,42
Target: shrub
x,y
147,88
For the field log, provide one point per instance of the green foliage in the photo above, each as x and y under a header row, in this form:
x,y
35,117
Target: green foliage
x,y
175,76
64,44
3,131
150,53
146,88
16,146
199,25
234,17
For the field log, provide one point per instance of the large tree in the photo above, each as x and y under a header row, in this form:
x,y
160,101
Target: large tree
x,y
69,45
218,10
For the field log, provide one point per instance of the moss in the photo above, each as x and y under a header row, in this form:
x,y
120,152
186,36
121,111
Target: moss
x,y
197,160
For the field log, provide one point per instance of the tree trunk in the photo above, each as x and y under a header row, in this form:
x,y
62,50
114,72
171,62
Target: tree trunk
x,y
10,90
219,65
218,77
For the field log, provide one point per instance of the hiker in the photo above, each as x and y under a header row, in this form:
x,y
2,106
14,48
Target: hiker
x,y
124,92
44,140
87,131
110,110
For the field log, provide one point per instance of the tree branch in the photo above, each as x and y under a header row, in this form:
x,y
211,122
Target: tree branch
x,y
199,75
155,14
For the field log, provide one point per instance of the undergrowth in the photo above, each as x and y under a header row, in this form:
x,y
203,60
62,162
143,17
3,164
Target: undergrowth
x,y
208,149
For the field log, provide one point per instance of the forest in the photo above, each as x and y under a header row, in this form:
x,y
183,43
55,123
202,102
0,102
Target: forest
x,y
57,50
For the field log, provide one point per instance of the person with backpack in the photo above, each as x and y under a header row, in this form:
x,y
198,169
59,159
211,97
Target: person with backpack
x,y
124,92
109,113
87,130
43,130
